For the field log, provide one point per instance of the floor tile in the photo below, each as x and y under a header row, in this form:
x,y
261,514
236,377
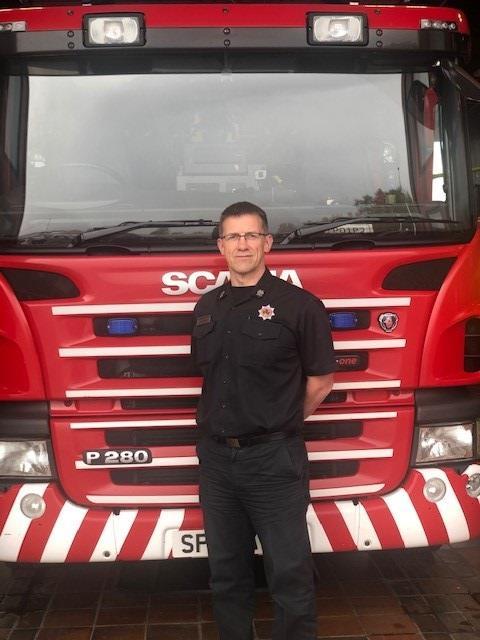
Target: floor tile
x,y
133,632
338,626
173,632
70,633
69,618
174,613
387,624
121,615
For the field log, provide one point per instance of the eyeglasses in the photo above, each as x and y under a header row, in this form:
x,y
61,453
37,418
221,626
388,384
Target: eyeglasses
x,y
250,236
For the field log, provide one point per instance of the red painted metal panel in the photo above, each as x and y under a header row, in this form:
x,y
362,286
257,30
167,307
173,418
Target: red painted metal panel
x,y
227,15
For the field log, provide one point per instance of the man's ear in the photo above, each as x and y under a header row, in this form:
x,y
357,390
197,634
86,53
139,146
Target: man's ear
x,y
220,246
268,241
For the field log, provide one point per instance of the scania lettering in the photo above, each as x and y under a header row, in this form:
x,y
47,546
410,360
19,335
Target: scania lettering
x,y
125,130
180,283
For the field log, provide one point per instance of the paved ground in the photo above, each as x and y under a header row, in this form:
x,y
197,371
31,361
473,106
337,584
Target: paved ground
x,y
401,595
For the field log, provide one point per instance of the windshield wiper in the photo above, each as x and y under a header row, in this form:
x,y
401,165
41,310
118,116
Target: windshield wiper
x,y
312,228
123,227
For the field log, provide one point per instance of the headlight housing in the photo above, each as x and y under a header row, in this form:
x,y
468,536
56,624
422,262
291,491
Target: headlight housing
x,y
25,459
449,442
114,30
337,29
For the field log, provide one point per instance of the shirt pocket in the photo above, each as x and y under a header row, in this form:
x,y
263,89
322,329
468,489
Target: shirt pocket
x,y
260,344
203,343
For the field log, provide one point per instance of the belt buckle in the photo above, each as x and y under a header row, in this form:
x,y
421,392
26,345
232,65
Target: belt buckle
x,y
233,442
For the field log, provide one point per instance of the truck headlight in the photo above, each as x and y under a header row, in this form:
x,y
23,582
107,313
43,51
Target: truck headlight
x,y
447,442
24,458
114,30
337,29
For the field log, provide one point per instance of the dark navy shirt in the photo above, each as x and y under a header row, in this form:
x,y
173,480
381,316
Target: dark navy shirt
x,y
255,346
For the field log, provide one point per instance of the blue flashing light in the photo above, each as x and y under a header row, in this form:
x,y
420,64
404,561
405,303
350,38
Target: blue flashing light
x,y
343,320
122,326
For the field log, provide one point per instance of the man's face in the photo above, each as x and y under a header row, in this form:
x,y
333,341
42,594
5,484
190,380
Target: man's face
x,y
245,258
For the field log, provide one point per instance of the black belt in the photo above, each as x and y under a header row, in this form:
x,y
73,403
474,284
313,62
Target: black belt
x,y
248,441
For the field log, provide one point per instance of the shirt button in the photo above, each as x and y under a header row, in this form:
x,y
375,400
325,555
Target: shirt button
x,y
225,381
229,331
226,356
223,405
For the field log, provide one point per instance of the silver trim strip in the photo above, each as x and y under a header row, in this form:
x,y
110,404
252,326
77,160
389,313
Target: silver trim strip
x,y
353,454
89,309
181,349
125,424
195,391
82,352
190,499
346,491
132,393
327,417
169,307
369,344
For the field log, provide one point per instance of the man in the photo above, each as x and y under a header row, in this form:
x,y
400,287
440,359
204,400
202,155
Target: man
x,y
265,352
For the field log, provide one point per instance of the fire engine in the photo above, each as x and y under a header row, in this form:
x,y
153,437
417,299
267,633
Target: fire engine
x,y
125,130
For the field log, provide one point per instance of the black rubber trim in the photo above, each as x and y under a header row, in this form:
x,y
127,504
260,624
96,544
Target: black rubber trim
x,y
34,284
428,275
207,38
447,405
159,403
24,420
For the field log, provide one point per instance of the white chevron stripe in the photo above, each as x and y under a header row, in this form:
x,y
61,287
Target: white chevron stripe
x,y
161,541
63,533
406,518
449,508
16,525
318,538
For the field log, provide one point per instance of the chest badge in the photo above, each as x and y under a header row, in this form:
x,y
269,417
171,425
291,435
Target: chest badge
x,y
388,321
266,312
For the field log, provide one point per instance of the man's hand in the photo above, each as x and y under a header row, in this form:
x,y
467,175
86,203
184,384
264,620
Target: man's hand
x,y
318,387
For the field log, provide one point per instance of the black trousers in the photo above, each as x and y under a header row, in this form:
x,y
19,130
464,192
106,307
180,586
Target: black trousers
x,y
262,490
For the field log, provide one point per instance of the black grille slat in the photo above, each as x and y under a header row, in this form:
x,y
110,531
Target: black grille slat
x,y
152,438
336,397
175,324
156,476
332,430
159,403
147,367
189,475
190,435
333,469
471,361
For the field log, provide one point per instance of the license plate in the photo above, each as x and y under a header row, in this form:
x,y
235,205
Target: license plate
x,y
189,544
193,544
117,457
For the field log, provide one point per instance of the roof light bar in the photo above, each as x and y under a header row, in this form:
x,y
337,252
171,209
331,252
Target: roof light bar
x,y
114,30
337,29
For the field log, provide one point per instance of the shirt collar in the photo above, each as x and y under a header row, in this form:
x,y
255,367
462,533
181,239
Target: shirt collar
x,y
262,287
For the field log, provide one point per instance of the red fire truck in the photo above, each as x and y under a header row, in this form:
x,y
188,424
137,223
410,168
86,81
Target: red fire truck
x,y
125,130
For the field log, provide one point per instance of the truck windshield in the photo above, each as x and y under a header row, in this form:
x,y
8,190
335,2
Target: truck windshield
x,y
372,152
